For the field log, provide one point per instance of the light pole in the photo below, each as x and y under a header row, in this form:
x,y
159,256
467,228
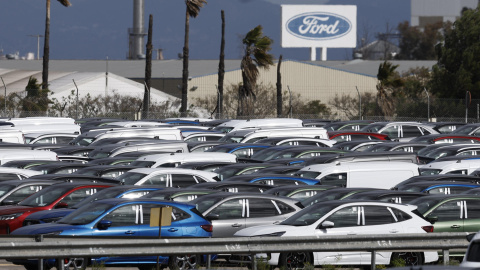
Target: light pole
x,y
290,102
428,104
38,44
4,86
76,101
360,117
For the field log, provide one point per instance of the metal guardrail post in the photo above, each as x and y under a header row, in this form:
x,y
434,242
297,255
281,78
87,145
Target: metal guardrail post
x,y
373,262
209,261
60,264
254,261
446,256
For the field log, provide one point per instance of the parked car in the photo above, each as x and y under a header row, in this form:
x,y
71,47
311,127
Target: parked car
x,y
241,150
194,147
392,196
357,145
7,173
295,140
233,125
231,212
450,150
461,178
411,146
105,171
273,179
281,169
345,218
334,194
124,191
14,191
341,136
298,192
26,164
451,213
446,138
450,167
436,187
400,131
52,197
468,129
302,152
445,127
472,255
233,187
353,125
228,171
209,166
167,177
60,167
183,195
253,135
124,218
175,159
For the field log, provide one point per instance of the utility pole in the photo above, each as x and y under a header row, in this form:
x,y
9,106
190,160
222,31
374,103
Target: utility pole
x,y
38,44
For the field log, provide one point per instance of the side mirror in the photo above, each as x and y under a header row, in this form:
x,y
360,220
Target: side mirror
x,y
104,224
8,202
327,225
432,219
211,217
62,205
470,237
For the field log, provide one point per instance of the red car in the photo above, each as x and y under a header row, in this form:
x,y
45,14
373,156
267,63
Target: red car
x,y
53,197
342,136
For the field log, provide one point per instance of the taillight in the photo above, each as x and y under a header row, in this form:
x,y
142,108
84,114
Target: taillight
x,y
207,228
427,228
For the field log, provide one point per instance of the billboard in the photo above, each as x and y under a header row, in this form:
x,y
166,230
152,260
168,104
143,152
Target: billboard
x,y
314,26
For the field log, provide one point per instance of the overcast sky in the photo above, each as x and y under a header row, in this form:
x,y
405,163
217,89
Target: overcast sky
x,y
96,29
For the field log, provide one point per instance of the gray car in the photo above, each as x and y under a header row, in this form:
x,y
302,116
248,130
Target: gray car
x,y
231,212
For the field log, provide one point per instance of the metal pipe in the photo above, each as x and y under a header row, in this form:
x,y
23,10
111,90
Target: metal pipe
x,y
5,110
360,117
76,101
428,104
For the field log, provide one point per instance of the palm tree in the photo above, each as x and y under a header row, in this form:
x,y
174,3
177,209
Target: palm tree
x,y
193,8
221,69
46,46
279,88
388,80
257,47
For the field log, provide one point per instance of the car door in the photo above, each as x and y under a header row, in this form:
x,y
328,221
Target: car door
x,y
23,192
172,230
449,215
471,222
124,222
231,217
347,221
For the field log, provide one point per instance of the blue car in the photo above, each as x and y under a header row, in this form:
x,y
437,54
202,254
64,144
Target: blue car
x,y
126,218
127,191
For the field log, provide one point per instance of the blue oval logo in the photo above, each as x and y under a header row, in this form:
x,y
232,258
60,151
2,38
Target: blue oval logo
x,y
319,26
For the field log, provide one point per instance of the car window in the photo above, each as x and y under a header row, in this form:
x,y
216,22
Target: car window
x,y
411,131
335,179
22,193
447,211
473,209
177,214
259,208
78,195
283,207
230,209
346,217
123,216
400,215
377,215
391,132
160,179
9,176
183,180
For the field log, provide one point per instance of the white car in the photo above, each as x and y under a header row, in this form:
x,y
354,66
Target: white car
x,y
472,256
345,218
168,177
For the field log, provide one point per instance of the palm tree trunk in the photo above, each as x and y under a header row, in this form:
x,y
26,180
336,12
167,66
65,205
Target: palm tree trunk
x,y
183,108
46,48
221,69
279,88
148,71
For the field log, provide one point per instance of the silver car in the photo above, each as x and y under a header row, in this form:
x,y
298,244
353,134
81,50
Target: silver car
x,y
231,212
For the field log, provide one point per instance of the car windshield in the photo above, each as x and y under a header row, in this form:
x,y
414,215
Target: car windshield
x,y
28,139
465,129
103,194
372,128
85,214
131,178
80,140
45,196
307,174
265,154
379,148
309,215
202,203
224,173
145,164
99,154
327,195
425,203
429,171
440,153
223,129
231,139
5,188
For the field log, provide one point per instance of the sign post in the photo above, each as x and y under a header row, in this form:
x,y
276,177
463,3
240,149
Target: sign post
x,y
161,216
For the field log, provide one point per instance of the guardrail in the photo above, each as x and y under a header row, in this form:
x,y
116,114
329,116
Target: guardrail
x,y
78,247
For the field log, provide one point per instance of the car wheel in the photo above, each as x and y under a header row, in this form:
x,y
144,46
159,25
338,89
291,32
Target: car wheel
x,y
75,264
181,262
406,259
295,260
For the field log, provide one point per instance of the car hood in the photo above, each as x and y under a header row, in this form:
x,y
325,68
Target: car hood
x,y
49,214
46,228
266,230
15,209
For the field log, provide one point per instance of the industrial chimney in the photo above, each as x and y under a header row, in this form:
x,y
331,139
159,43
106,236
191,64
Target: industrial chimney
x,y
137,33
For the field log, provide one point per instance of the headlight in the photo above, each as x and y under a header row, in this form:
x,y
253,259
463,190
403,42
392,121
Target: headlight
x,y
10,216
273,234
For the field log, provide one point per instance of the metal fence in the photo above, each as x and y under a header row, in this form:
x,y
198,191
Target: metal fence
x,y
83,247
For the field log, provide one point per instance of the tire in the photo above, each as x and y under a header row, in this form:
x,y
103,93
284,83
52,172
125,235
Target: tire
x,y
75,264
295,260
407,258
181,262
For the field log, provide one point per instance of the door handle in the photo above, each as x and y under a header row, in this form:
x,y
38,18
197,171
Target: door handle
x,y
351,233
276,222
172,230
455,226
129,232
236,225
394,231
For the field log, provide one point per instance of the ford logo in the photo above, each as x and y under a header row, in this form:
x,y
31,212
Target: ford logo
x,y
319,26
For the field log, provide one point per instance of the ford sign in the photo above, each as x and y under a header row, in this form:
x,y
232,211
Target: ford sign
x,y
318,26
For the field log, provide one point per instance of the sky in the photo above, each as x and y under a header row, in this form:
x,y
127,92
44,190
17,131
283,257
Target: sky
x,y
97,29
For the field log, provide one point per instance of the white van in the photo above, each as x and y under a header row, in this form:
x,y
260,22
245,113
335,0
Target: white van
x,y
175,159
11,135
36,121
21,154
362,174
48,128
153,132
233,125
466,166
251,136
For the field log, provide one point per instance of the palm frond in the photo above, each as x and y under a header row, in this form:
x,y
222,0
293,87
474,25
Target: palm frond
x,y
194,6
65,2
253,36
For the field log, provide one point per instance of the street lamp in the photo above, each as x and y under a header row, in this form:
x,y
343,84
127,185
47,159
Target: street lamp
x,y
38,44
